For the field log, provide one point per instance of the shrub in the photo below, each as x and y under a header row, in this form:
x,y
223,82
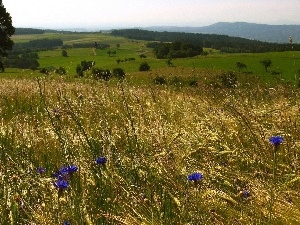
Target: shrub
x,y
61,71
64,53
143,56
228,79
84,66
193,83
101,74
79,71
177,81
144,66
160,80
2,66
44,71
119,73
266,63
240,66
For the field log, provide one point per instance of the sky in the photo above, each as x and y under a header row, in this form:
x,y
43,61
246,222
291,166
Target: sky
x,y
90,14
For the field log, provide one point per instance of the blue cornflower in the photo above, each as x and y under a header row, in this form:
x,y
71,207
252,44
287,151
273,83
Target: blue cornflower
x,y
72,168
246,194
40,170
276,140
195,176
66,223
61,184
101,160
65,171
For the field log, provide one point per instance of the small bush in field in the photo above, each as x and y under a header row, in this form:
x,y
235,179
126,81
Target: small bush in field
x,y
228,79
101,74
160,80
266,63
118,73
84,66
61,71
144,66
193,83
177,81
44,71
64,53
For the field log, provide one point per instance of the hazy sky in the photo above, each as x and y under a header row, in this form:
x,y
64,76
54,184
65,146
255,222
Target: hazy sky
x,y
141,13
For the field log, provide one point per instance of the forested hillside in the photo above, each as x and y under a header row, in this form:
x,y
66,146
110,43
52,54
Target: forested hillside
x,y
253,31
221,42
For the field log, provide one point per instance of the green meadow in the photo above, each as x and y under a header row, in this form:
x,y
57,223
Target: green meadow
x,y
285,65
75,150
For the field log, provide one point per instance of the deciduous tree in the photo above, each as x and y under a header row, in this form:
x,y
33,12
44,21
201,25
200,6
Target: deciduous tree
x,y
6,31
266,63
240,65
144,66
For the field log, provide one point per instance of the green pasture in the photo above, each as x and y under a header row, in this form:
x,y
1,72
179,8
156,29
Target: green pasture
x,y
285,65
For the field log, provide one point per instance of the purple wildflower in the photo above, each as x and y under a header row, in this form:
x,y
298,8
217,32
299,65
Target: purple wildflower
x,y
66,171
61,184
40,170
72,169
276,140
101,160
246,194
195,176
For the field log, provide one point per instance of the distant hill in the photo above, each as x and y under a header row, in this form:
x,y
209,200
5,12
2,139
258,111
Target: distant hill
x,y
261,32
224,43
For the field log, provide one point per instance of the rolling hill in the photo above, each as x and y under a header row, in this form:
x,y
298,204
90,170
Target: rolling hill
x,y
261,32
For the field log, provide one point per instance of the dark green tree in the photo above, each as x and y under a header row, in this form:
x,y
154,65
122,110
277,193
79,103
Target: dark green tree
x,y
143,56
240,66
119,73
266,63
228,79
144,66
205,53
169,62
61,71
79,70
101,74
64,53
6,31
1,66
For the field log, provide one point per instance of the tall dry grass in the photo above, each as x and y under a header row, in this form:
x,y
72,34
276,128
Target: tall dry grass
x,y
153,137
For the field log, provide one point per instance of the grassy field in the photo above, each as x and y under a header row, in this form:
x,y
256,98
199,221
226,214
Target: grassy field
x,y
285,64
81,151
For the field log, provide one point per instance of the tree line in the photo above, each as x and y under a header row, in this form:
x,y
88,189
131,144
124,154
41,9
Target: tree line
x,y
38,45
175,49
25,56
95,45
224,43
20,31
